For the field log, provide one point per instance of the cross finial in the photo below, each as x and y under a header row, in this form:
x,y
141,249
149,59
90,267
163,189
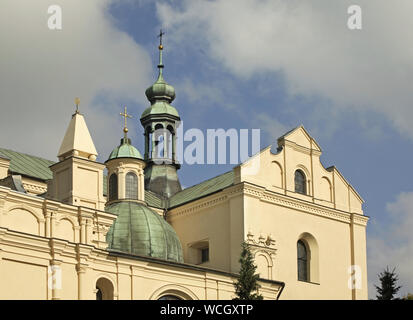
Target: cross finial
x,y
160,64
161,33
126,116
77,102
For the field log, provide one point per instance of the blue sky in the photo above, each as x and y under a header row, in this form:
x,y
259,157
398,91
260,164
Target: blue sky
x,y
235,64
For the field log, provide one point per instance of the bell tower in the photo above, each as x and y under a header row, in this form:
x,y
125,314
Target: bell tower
x,y
160,122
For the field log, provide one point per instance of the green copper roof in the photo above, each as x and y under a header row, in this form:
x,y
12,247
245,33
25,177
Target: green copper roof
x,y
27,165
202,189
160,90
160,107
154,200
36,167
141,231
160,94
125,150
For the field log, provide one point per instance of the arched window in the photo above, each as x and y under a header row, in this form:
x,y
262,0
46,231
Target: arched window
x,y
159,142
131,186
113,187
302,261
300,183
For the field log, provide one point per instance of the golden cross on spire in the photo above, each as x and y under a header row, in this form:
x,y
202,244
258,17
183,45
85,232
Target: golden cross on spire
x,y
77,102
126,116
161,33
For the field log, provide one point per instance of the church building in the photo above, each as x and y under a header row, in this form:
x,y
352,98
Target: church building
x,y
126,229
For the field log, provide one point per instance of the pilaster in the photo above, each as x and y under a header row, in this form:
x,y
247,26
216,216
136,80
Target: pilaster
x,y
81,275
55,279
82,268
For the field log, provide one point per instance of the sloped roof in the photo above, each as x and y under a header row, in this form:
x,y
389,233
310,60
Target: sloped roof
x,y
154,200
27,165
202,189
35,167
77,137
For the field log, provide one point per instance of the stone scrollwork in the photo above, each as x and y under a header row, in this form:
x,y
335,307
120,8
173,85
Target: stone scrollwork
x,y
266,242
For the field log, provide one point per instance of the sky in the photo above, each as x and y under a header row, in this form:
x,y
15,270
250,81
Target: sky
x,y
244,64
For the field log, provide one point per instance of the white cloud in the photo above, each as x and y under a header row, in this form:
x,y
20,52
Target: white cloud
x,y
272,129
309,42
42,71
392,244
203,93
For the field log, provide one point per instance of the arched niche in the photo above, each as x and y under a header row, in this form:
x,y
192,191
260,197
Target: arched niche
x,y
104,289
65,229
22,220
276,175
264,265
325,189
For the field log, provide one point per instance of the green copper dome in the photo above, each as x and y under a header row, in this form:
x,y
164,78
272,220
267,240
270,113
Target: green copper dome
x,y
160,95
125,150
141,231
160,90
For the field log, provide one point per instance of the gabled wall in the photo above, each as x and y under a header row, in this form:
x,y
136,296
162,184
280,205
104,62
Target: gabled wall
x,y
297,150
263,208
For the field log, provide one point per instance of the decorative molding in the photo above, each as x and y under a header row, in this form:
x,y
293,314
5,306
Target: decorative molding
x,y
301,205
264,244
40,218
267,242
297,147
266,196
34,188
197,207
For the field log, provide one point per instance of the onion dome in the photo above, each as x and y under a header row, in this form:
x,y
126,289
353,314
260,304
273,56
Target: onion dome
x,y
160,90
160,94
141,231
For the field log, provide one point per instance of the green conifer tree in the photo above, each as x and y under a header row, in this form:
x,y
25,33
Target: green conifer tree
x,y
246,286
388,288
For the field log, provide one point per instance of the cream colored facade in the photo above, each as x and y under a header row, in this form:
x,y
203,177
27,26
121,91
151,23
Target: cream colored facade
x,y
263,208
54,247
36,235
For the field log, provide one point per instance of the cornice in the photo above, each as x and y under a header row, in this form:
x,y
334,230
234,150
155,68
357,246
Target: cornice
x,y
207,202
301,205
268,196
297,147
4,192
24,240
57,246
25,199
360,219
